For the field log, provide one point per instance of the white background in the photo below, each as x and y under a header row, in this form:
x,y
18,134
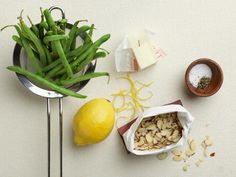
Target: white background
x,y
187,30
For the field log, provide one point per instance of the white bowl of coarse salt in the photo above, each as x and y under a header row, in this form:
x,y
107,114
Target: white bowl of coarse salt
x,y
204,77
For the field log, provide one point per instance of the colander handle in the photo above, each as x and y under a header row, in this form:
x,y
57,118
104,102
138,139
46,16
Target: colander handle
x,y
49,135
60,135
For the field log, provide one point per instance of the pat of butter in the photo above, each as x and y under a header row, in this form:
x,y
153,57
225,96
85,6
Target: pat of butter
x,y
143,50
144,56
137,51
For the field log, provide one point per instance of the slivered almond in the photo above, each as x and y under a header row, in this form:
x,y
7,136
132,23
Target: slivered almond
x,y
177,158
176,152
148,138
162,156
140,130
151,127
189,152
208,142
193,145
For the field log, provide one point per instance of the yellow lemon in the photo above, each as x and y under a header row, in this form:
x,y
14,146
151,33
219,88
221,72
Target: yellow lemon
x,y
93,122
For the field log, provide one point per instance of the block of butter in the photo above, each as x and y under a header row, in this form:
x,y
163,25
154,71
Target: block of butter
x,y
137,52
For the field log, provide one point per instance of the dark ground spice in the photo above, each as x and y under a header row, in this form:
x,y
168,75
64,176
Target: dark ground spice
x,y
204,82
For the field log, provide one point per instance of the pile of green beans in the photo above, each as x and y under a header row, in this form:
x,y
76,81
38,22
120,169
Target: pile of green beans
x,y
54,53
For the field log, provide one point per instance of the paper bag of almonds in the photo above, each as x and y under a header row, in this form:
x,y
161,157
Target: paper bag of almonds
x,y
158,129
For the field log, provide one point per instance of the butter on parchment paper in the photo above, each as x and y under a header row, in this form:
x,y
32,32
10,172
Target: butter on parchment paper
x,y
137,52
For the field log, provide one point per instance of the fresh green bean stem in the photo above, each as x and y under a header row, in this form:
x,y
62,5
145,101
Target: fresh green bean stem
x,y
17,39
33,27
89,35
41,29
44,25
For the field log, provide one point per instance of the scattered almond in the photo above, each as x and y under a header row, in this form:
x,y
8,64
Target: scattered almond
x,y
162,156
185,167
176,152
198,163
193,145
178,158
148,138
189,153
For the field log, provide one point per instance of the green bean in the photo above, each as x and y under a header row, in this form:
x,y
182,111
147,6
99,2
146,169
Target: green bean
x,y
52,46
53,65
29,51
62,23
51,38
31,55
72,34
59,30
49,57
80,78
35,40
52,73
41,29
96,56
70,55
78,51
63,77
50,21
59,70
57,43
95,45
82,30
45,25
33,27
17,39
100,55
45,82
26,36
49,33
89,35
73,44
85,62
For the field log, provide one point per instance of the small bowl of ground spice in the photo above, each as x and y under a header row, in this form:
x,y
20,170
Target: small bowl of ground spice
x,y
204,77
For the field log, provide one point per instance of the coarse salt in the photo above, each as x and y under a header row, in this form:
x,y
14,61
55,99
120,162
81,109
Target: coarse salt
x,y
197,72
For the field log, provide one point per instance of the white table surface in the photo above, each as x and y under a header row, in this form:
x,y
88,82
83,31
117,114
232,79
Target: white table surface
x,y
187,30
